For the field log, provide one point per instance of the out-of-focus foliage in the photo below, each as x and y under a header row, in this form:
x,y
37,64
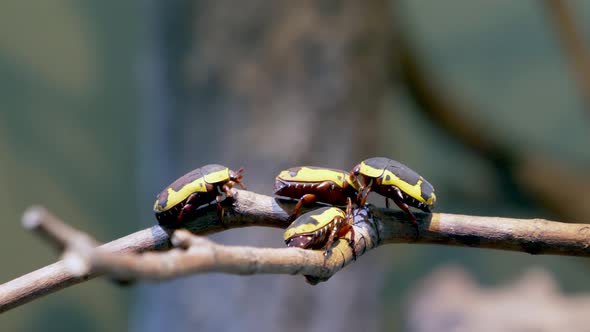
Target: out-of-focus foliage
x,y
68,77
69,80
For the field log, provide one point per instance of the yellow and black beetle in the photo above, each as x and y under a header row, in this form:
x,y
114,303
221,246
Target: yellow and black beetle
x,y
319,228
316,184
200,186
395,180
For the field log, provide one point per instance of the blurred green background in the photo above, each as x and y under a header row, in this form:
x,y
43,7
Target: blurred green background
x,y
70,102
69,96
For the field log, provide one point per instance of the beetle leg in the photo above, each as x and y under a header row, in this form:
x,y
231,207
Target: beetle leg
x,y
226,188
305,199
342,233
363,195
186,209
238,179
219,209
191,198
348,208
387,202
349,227
333,233
326,185
398,200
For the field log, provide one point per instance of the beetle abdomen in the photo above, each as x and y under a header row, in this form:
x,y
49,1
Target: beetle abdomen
x,y
170,215
335,195
314,240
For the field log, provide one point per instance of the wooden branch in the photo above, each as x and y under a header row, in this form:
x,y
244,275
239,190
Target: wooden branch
x,y
202,255
532,236
374,226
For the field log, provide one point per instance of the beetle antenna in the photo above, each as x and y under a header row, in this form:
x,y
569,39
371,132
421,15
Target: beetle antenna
x,y
348,207
238,179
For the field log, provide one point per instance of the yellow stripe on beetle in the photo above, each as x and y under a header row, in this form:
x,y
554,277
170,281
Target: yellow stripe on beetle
x,y
310,174
175,197
217,176
370,171
412,190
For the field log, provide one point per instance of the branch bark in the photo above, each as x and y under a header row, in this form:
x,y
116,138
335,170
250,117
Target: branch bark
x,y
195,254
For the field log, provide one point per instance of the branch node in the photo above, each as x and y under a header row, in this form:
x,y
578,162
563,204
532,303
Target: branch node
x,y
76,263
32,217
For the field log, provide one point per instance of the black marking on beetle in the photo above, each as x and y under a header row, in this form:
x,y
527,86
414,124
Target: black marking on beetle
x,y
404,173
387,177
183,180
377,162
212,168
307,218
426,190
293,171
177,185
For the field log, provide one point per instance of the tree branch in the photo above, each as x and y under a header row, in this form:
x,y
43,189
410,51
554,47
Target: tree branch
x,y
195,254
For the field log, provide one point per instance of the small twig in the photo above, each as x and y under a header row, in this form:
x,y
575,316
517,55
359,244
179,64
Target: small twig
x,y
573,42
374,227
40,221
66,239
203,255
196,254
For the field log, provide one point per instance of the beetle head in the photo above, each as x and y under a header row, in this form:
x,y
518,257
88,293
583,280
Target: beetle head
x,y
356,170
237,177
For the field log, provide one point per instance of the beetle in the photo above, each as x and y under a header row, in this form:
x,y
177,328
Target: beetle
x,y
200,186
319,228
395,180
316,184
